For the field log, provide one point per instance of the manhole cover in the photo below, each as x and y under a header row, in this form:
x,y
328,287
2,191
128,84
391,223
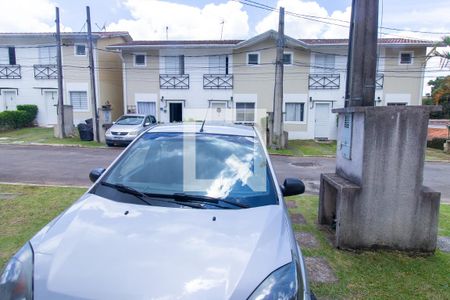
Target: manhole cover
x,y
305,164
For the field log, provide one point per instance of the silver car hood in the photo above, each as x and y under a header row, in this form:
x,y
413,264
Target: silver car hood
x,y
95,251
125,128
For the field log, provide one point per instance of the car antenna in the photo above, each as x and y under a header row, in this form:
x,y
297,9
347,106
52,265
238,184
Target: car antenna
x,y
204,120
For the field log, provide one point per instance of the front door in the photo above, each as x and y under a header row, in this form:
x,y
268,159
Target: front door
x,y
176,112
218,111
322,121
9,100
51,102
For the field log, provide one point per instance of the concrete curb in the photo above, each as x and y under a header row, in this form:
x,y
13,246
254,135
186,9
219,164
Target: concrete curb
x,y
57,145
45,185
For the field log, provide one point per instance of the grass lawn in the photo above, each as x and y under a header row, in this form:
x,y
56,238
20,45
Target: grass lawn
x,y
377,274
43,136
365,275
21,217
313,148
307,148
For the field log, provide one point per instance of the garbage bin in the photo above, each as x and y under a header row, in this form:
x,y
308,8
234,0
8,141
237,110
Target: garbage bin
x,y
86,132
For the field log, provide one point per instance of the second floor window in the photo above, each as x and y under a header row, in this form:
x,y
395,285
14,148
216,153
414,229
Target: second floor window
x,y
406,58
7,56
324,63
218,64
174,64
139,60
47,55
253,58
287,58
80,49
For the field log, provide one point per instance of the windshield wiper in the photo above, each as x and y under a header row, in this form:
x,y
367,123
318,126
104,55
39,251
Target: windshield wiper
x,y
182,197
127,190
144,196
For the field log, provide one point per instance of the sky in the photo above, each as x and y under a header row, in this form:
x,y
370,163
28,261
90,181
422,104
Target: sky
x,y
208,19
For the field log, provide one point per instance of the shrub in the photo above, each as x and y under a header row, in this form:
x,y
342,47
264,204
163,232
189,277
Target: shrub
x,y
22,117
437,143
31,111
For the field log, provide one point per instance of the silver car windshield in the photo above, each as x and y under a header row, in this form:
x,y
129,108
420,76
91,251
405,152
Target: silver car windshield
x,y
218,166
130,120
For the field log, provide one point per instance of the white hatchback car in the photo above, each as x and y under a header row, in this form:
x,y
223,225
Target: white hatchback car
x,y
183,213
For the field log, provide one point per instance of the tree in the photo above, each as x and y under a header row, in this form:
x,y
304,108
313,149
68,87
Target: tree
x,y
440,93
443,54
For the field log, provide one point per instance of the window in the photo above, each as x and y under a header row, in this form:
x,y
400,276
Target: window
x,y
295,112
253,58
406,58
79,100
324,63
287,58
245,112
12,55
174,64
218,64
47,55
140,60
80,49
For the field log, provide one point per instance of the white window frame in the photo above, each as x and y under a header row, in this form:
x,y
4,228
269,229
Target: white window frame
x,y
259,58
304,111
148,101
292,58
75,49
87,100
235,112
145,60
405,52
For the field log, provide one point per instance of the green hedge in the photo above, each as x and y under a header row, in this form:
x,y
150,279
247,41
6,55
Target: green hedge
x,y
22,117
437,143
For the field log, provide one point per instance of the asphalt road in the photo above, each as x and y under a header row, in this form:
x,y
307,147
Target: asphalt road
x,y
71,165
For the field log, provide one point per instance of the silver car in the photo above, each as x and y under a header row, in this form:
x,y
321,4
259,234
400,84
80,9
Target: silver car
x,y
127,128
185,212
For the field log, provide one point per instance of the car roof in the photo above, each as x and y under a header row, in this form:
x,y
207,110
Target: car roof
x,y
134,115
209,128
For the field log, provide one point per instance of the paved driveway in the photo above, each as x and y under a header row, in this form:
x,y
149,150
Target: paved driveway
x,y
71,166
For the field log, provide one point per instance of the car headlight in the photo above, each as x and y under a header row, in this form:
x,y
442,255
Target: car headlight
x,y
283,283
108,132
16,280
133,132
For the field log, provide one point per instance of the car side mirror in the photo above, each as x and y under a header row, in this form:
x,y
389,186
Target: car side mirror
x,y
95,174
114,123
147,124
292,186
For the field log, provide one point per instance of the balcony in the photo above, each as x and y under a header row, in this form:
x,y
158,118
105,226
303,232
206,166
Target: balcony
x,y
10,72
45,72
324,81
379,81
217,81
173,81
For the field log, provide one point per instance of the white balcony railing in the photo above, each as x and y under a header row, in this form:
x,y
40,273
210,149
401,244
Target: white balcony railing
x,y
45,72
10,72
217,81
324,81
174,81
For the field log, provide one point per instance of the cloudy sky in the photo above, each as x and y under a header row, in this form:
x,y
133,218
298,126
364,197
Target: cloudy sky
x,y
203,19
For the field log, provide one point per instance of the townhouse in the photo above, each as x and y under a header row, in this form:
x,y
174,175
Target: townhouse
x,y
171,79
28,73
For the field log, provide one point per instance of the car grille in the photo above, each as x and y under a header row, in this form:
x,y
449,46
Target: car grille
x,y
118,133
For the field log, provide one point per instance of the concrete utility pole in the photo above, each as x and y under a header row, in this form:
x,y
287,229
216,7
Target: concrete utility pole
x,y
277,128
92,73
60,107
362,54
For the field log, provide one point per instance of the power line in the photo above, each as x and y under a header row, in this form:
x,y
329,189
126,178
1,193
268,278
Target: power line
x,y
320,19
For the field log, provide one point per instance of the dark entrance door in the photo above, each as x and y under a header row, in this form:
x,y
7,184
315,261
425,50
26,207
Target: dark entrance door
x,y
176,112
